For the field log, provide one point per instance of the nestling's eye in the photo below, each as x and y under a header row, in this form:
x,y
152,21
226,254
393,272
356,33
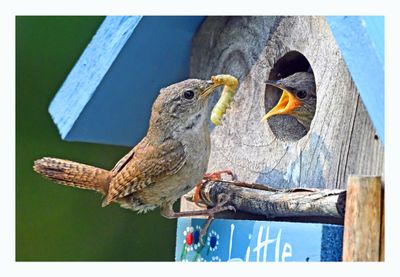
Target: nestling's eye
x,y
301,94
188,94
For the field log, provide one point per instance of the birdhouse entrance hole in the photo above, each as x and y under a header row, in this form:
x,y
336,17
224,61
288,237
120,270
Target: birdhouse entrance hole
x,y
285,127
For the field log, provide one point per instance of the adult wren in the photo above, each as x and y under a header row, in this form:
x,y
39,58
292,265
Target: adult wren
x,y
166,164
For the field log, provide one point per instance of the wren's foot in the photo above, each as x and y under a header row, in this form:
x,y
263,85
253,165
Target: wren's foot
x,y
215,176
204,229
167,210
222,200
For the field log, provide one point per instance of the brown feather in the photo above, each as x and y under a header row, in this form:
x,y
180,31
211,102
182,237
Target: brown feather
x,y
74,174
149,164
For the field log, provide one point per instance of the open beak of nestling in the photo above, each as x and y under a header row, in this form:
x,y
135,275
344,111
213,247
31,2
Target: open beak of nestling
x,y
210,88
287,103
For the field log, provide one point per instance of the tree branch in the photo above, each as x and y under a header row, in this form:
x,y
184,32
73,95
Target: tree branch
x,y
272,203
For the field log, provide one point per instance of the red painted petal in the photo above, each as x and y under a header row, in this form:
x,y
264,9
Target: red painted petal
x,y
189,239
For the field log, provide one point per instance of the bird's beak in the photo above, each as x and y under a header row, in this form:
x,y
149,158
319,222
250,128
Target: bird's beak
x,y
287,103
210,88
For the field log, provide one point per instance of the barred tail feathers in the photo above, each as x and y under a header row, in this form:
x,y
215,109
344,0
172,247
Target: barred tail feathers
x,y
74,174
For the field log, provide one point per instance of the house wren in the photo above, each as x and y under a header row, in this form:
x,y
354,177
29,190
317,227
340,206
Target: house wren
x,y
298,98
166,164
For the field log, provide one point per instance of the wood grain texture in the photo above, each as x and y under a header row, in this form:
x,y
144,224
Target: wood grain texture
x,y
362,223
272,203
341,140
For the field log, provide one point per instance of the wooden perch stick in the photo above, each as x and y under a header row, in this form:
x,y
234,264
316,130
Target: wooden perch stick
x,y
270,202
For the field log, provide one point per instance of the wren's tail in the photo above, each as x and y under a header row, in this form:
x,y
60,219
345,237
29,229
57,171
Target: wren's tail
x,y
74,174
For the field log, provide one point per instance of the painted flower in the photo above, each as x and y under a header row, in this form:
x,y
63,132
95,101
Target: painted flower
x,y
215,259
200,259
192,238
196,237
212,240
188,240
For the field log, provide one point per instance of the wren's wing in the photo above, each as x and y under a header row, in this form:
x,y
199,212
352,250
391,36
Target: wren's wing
x,y
125,159
147,164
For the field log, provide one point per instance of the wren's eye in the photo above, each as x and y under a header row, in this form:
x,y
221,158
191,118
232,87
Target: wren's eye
x,y
301,94
188,94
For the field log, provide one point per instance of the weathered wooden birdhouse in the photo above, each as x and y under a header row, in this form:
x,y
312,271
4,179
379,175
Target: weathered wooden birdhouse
x,y
345,137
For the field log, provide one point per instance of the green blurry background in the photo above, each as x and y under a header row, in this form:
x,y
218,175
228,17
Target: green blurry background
x,y
54,222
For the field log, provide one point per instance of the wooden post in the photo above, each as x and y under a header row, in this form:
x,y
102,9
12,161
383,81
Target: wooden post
x,y
362,223
382,241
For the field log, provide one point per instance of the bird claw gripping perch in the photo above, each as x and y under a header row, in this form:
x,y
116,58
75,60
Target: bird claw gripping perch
x,y
215,176
230,86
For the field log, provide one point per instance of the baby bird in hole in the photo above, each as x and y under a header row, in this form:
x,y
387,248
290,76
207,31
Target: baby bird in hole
x,y
298,98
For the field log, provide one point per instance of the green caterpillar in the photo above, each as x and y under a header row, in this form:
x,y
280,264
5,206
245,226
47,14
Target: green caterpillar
x,y
230,85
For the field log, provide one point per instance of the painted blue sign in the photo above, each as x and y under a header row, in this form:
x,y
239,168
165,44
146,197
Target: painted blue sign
x,y
258,241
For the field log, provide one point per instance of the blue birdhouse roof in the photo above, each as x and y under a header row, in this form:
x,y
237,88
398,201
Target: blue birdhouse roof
x,y
107,96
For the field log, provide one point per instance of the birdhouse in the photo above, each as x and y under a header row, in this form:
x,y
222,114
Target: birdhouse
x,y
344,137
341,139
281,152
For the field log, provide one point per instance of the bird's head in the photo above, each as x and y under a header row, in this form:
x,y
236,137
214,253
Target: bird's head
x,y
298,98
182,105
